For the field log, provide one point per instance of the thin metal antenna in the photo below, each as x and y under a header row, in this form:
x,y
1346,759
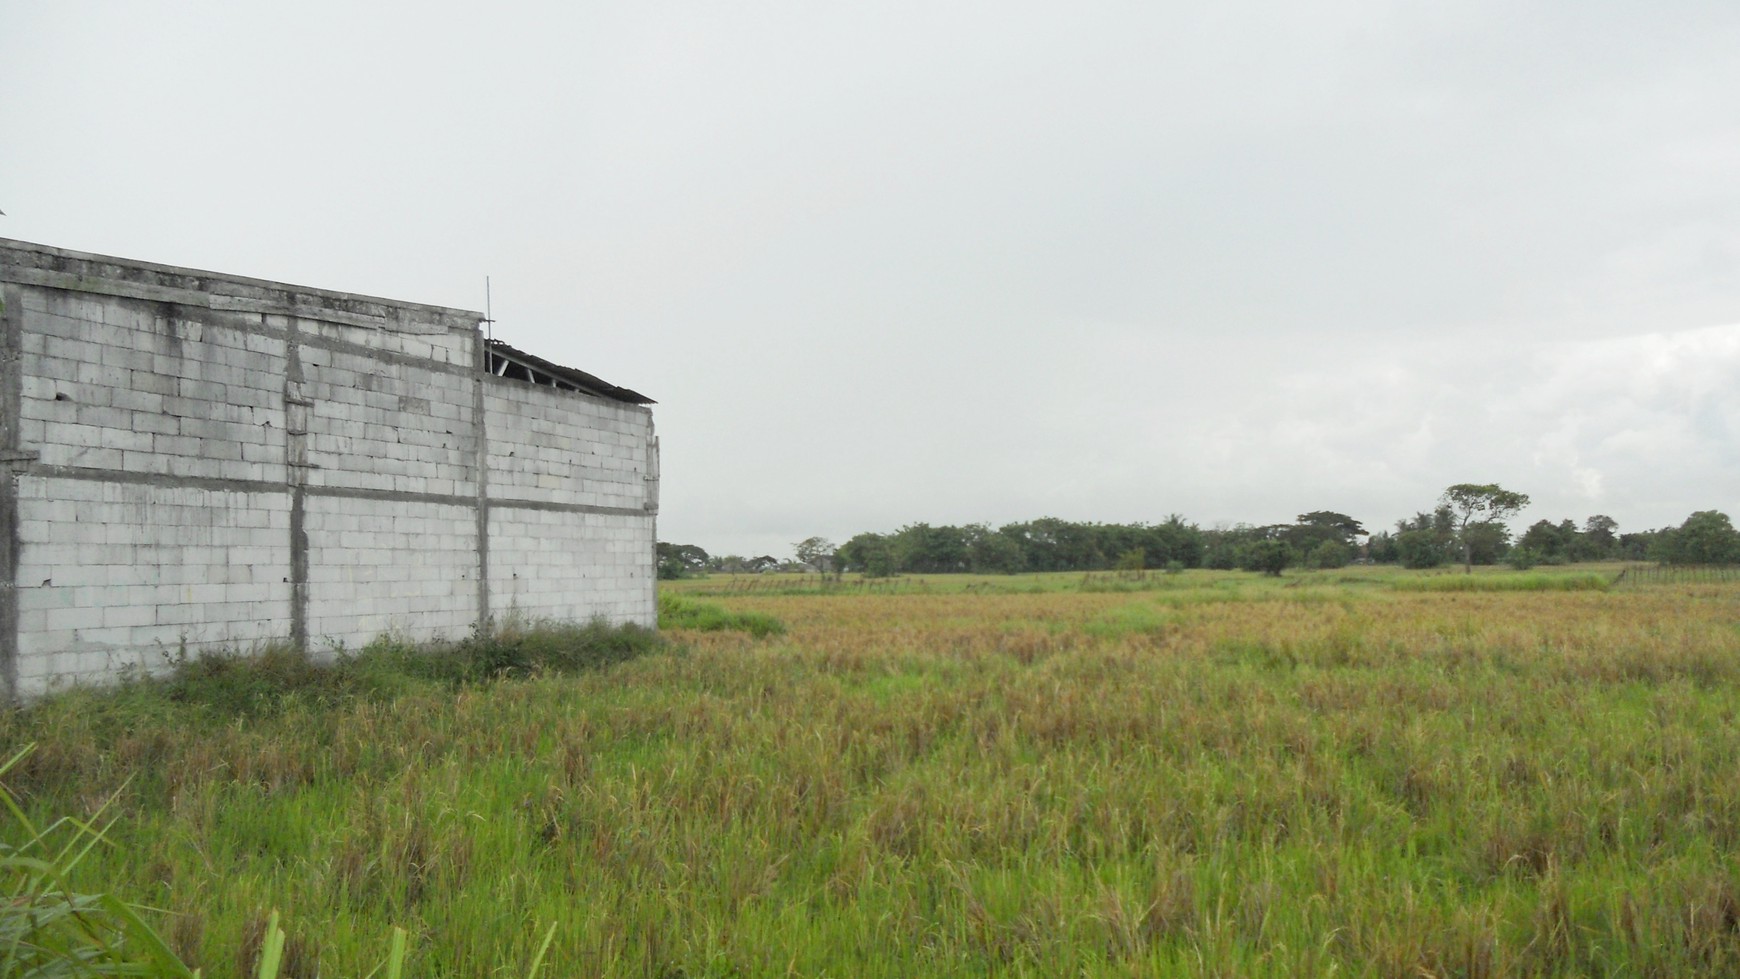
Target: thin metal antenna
x,y
488,313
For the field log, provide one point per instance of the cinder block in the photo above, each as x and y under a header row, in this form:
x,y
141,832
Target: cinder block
x,y
65,619
126,616
125,358
153,381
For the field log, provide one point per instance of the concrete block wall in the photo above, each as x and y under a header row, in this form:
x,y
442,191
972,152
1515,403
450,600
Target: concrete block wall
x,y
416,333
119,575
570,511
395,425
551,446
190,461
133,386
389,567
547,564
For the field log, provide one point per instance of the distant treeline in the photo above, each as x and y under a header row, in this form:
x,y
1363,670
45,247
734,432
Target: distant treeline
x,y
1320,539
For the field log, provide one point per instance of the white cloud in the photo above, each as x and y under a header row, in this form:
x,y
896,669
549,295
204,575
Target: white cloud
x,y
1645,425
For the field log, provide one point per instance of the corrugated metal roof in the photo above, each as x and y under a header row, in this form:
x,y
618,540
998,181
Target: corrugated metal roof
x,y
559,376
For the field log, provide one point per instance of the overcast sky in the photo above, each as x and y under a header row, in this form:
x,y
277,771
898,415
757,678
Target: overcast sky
x,y
954,262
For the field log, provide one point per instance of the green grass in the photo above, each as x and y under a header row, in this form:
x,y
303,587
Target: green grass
x,y
1242,777
47,927
1221,584
1516,581
679,612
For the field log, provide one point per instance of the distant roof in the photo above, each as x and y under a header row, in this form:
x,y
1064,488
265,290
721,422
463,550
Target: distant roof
x,y
507,361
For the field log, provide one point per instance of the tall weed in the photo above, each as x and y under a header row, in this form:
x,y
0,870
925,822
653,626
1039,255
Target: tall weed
x,y
48,927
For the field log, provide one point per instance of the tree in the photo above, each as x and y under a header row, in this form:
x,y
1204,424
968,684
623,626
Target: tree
x,y
1600,530
1223,548
1381,548
1439,521
1487,542
870,554
1476,504
991,550
1639,544
817,552
1707,537
924,549
1271,557
1419,549
731,563
680,560
1324,525
1051,544
1546,542
1329,554
1176,539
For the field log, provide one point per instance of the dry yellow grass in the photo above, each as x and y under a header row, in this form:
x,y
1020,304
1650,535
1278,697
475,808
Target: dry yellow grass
x,y
1213,776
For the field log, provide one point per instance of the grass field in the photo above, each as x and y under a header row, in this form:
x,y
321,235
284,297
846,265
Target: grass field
x,y
1358,773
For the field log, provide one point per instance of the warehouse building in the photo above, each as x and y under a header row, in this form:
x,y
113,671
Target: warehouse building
x,y
196,461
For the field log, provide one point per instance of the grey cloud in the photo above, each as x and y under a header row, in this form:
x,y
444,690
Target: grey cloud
x,y
911,261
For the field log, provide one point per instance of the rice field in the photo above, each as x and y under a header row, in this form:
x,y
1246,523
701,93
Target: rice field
x,y
1355,773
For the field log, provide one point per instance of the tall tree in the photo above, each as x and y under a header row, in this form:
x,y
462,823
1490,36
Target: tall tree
x,y
1419,549
732,563
1382,548
1707,537
991,550
1321,525
1179,540
680,560
817,552
1270,556
1547,542
870,554
925,549
1475,504
1600,531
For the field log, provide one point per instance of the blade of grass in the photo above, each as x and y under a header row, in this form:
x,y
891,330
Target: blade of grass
x,y
272,954
538,959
